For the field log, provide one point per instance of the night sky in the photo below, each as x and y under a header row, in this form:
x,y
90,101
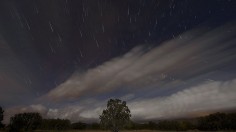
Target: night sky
x,y
166,58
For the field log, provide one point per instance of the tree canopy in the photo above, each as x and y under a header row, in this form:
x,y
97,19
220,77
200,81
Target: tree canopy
x,y
116,116
25,121
1,117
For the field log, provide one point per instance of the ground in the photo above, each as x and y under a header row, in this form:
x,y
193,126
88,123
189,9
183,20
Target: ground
x,y
126,131
133,131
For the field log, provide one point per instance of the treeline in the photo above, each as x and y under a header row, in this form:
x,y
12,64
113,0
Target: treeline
x,y
63,124
162,125
212,122
218,121
34,121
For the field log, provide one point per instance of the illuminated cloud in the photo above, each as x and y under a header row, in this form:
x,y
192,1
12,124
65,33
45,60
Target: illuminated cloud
x,y
174,62
204,98
76,112
195,101
65,59
9,112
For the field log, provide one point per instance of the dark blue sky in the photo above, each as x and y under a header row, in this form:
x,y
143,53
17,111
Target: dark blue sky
x,y
66,58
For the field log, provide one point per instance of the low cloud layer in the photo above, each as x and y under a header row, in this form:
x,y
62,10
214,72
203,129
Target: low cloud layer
x,y
9,112
193,102
77,112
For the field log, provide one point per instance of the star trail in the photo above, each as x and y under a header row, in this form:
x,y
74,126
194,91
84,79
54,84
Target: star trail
x,y
66,58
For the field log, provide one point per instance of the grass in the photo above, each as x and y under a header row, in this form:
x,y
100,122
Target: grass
x,y
109,131
130,131
121,131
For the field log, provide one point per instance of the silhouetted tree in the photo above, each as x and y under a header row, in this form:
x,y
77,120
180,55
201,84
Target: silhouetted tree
x,y
116,116
1,117
230,123
25,122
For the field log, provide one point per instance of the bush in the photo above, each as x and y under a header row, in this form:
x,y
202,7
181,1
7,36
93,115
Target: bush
x,y
25,122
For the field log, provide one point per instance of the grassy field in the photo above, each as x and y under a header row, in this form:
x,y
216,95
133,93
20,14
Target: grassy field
x,y
120,131
125,131
129,131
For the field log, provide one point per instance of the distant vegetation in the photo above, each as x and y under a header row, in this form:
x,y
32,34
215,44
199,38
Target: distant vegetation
x,y
34,121
1,117
218,121
55,124
212,122
25,122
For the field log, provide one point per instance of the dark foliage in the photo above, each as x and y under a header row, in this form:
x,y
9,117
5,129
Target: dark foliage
x,y
79,126
93,126
85,126
25,122
1,117
175,125
116,116
218,121
141,126
213,122
55,124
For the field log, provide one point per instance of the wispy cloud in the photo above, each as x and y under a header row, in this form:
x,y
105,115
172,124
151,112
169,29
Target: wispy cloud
x,y
175,61
195,101
202,99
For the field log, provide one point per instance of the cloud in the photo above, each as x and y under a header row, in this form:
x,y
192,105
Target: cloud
x,y
201,99
205,98
9,112
176,62
173,62
77,112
